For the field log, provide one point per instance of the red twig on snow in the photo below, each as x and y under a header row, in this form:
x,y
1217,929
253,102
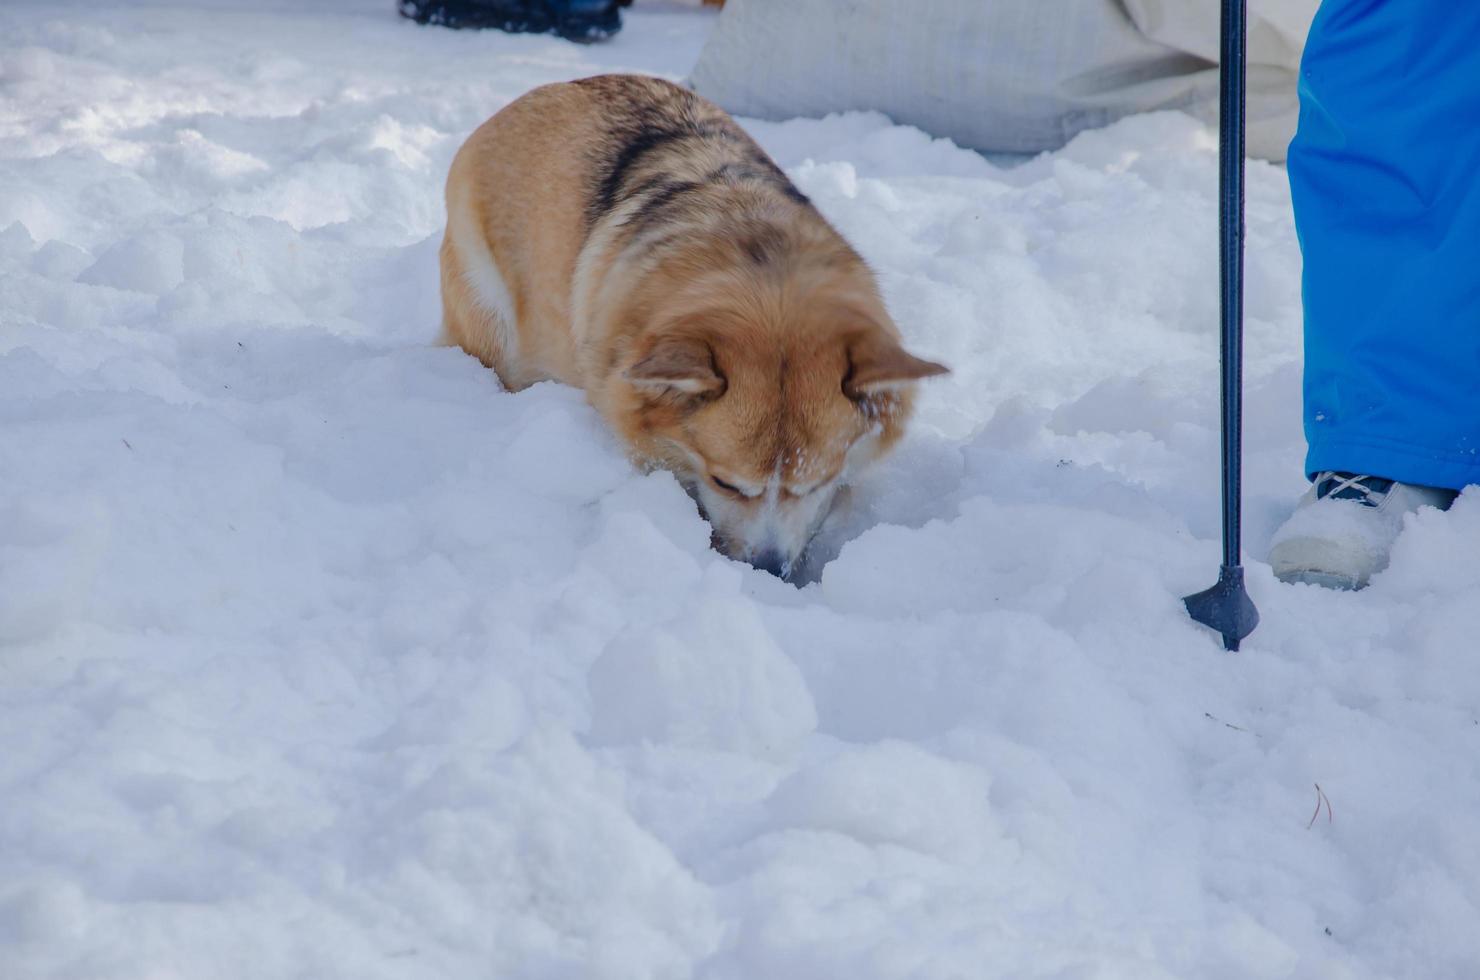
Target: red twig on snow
x,y
1320,799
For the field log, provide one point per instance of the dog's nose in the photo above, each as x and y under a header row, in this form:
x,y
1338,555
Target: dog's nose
x,y
771,560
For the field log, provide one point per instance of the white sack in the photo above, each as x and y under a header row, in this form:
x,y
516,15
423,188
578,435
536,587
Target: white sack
x,y
1003,76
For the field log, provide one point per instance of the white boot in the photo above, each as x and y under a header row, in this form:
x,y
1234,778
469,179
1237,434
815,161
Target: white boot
x,y
1344,527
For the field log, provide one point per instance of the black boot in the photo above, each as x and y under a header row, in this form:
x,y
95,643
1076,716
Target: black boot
x,y
583,21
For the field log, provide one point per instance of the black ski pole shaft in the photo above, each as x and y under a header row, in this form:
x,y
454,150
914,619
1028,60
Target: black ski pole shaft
x,y
1231,269
1226,607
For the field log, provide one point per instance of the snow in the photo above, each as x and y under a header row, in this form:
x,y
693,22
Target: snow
x,y
320,656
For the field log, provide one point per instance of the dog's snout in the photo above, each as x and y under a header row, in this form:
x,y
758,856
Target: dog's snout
x,y
771,560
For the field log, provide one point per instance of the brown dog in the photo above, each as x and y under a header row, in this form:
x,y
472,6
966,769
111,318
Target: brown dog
x,y
623,235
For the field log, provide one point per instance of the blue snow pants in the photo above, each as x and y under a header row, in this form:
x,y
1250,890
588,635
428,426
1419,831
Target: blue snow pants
x,y
1385,176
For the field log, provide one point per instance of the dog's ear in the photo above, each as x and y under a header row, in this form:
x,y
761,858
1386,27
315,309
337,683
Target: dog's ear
x,y
681,364
877,364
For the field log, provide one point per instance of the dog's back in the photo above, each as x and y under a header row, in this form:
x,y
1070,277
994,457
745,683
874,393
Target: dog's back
x,y
668,157
614,166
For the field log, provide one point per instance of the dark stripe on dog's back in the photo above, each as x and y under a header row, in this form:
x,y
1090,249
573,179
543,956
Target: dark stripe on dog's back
x,y
758,166
656,201
648,117
637,145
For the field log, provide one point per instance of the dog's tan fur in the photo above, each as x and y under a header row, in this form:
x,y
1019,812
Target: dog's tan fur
x,y
625,236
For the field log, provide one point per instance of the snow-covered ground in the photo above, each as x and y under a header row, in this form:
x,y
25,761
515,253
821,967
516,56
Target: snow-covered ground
x,y
321,657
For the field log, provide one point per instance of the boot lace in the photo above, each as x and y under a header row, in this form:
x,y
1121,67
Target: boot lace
x,y
1367,490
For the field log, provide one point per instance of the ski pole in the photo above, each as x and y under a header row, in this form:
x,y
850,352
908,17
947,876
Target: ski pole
x,y
1226,607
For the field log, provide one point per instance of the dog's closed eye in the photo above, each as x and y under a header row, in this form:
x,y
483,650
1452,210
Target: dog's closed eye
x,y
730,488
797,493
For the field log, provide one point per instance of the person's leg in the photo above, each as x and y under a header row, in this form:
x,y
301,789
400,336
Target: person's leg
x,y
1385,178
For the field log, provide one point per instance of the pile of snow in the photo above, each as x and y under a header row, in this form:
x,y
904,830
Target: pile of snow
x,y
322,657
